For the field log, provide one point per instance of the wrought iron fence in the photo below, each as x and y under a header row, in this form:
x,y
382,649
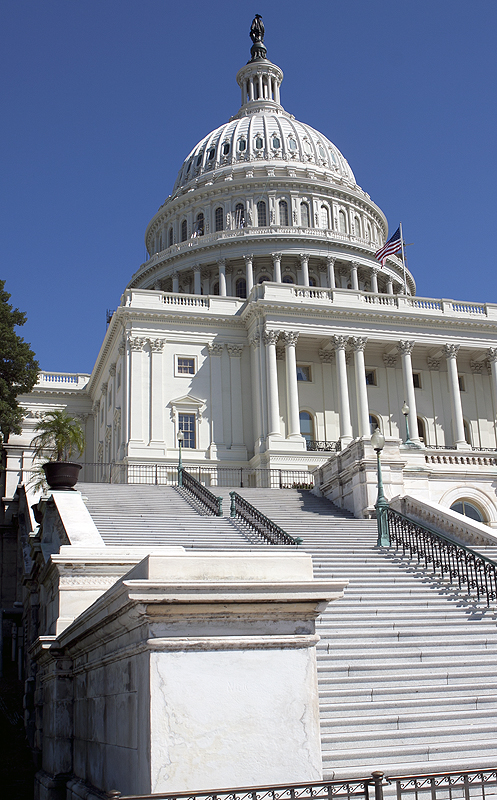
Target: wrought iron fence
x,y
261,524
209,501
451,559
464,785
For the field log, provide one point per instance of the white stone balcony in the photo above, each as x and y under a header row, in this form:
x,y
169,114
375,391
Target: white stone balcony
x,y
62,380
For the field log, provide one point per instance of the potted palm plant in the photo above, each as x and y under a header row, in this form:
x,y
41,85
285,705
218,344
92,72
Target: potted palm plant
x,y
59,436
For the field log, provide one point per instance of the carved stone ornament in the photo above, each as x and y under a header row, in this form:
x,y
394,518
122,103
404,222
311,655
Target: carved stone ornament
x,y
108,434
156,345
104,388
197,267
112,370
477,367
304,258
96,407
290,338
451,350
492,354
235,350
340,342
221,262
389,360
327,356
255,341
122,348
276,257
270,337
215,349
330,261
100,451
248,259
136,344
117,417
433,363
358,343
405,348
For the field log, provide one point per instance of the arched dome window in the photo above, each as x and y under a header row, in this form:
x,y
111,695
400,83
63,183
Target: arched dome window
x,y
325,217
199,225
307,147
342,223
468,510
241,288
306,426
369,234
259,142
211,154
304,215
242,145
226,148
170,237
292,145
239,215
199,159
287,279
283,209
321,151
261,214
263,278
184,231
276,142
357,226
219,219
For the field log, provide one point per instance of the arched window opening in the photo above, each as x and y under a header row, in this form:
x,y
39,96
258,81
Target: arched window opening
x,y
261,214
283,208
184,231
421,429
239,215
357,226
211,154
325,217
312,282
263,278
276,142
287,279
241,288
304,215
306,426
171,237
219,219
199,225
199,160
226,148
374,422
242,144
369,234
215,288
467,432
259,143
468,510
342,225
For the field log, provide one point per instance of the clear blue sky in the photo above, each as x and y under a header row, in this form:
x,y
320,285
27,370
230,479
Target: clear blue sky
x,y
101,100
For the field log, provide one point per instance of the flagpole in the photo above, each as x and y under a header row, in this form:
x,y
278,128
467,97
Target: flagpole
x,y
403,258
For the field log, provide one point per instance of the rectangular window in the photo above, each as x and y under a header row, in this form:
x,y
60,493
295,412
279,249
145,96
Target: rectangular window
x,y
119,379
185,366
416,379
186,423
304,372
371,377
462,387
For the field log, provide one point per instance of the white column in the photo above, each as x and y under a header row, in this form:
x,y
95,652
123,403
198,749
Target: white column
x,y
492,360
343,390
136,415
374,279
255,347
330,263
217,417
175,282
304,266
261,90
450,353
354,277
292,392
249,273
358,346
276,267
251,88
222,276
405,350
389,285
156,391
197,288
270,339
235,353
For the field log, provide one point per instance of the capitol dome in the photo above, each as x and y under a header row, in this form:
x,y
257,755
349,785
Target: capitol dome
x,y
265,182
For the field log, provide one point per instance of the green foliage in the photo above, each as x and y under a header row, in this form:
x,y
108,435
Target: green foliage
x,y
59,436
18,366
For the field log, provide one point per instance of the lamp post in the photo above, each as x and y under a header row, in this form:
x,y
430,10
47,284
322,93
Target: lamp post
x,y
378,443
405,411
180,437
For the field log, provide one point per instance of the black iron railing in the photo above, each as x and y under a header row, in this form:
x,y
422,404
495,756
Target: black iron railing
x,y
261,524
332,447
474,784
452,560
209,501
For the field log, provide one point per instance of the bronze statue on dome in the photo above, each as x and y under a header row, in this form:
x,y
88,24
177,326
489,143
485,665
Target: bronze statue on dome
x,y
258,50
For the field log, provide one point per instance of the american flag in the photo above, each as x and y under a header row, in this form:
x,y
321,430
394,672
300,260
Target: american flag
x,y
394,245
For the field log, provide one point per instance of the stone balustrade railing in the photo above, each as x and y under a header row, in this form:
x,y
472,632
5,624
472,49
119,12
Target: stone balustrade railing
x,y
67,380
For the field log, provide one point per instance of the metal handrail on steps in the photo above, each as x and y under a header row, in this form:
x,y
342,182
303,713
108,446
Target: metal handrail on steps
x,y
455,560
428,786
261,524
210,501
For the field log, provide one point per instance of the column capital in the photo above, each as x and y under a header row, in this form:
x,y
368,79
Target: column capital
x,y
354,264
197,267
330,260
112,369
276,256
215,349
375,270
104,388
451,350
326,356
433,363
255,341
290,338
235,350
221,262
358,343
248,258
156,345
304,257
175,274
492,354
270,337
389,360
136,343
405,347
340,342
122,348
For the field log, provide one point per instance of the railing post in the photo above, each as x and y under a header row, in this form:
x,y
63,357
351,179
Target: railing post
x,y
219,506
378,785
281,481
232,504
180,476
156,481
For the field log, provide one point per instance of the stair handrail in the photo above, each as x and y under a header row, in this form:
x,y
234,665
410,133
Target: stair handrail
x,y
208,499
451,557
262,525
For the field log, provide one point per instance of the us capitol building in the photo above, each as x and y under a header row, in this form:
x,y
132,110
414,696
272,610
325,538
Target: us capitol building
x,y
263,326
